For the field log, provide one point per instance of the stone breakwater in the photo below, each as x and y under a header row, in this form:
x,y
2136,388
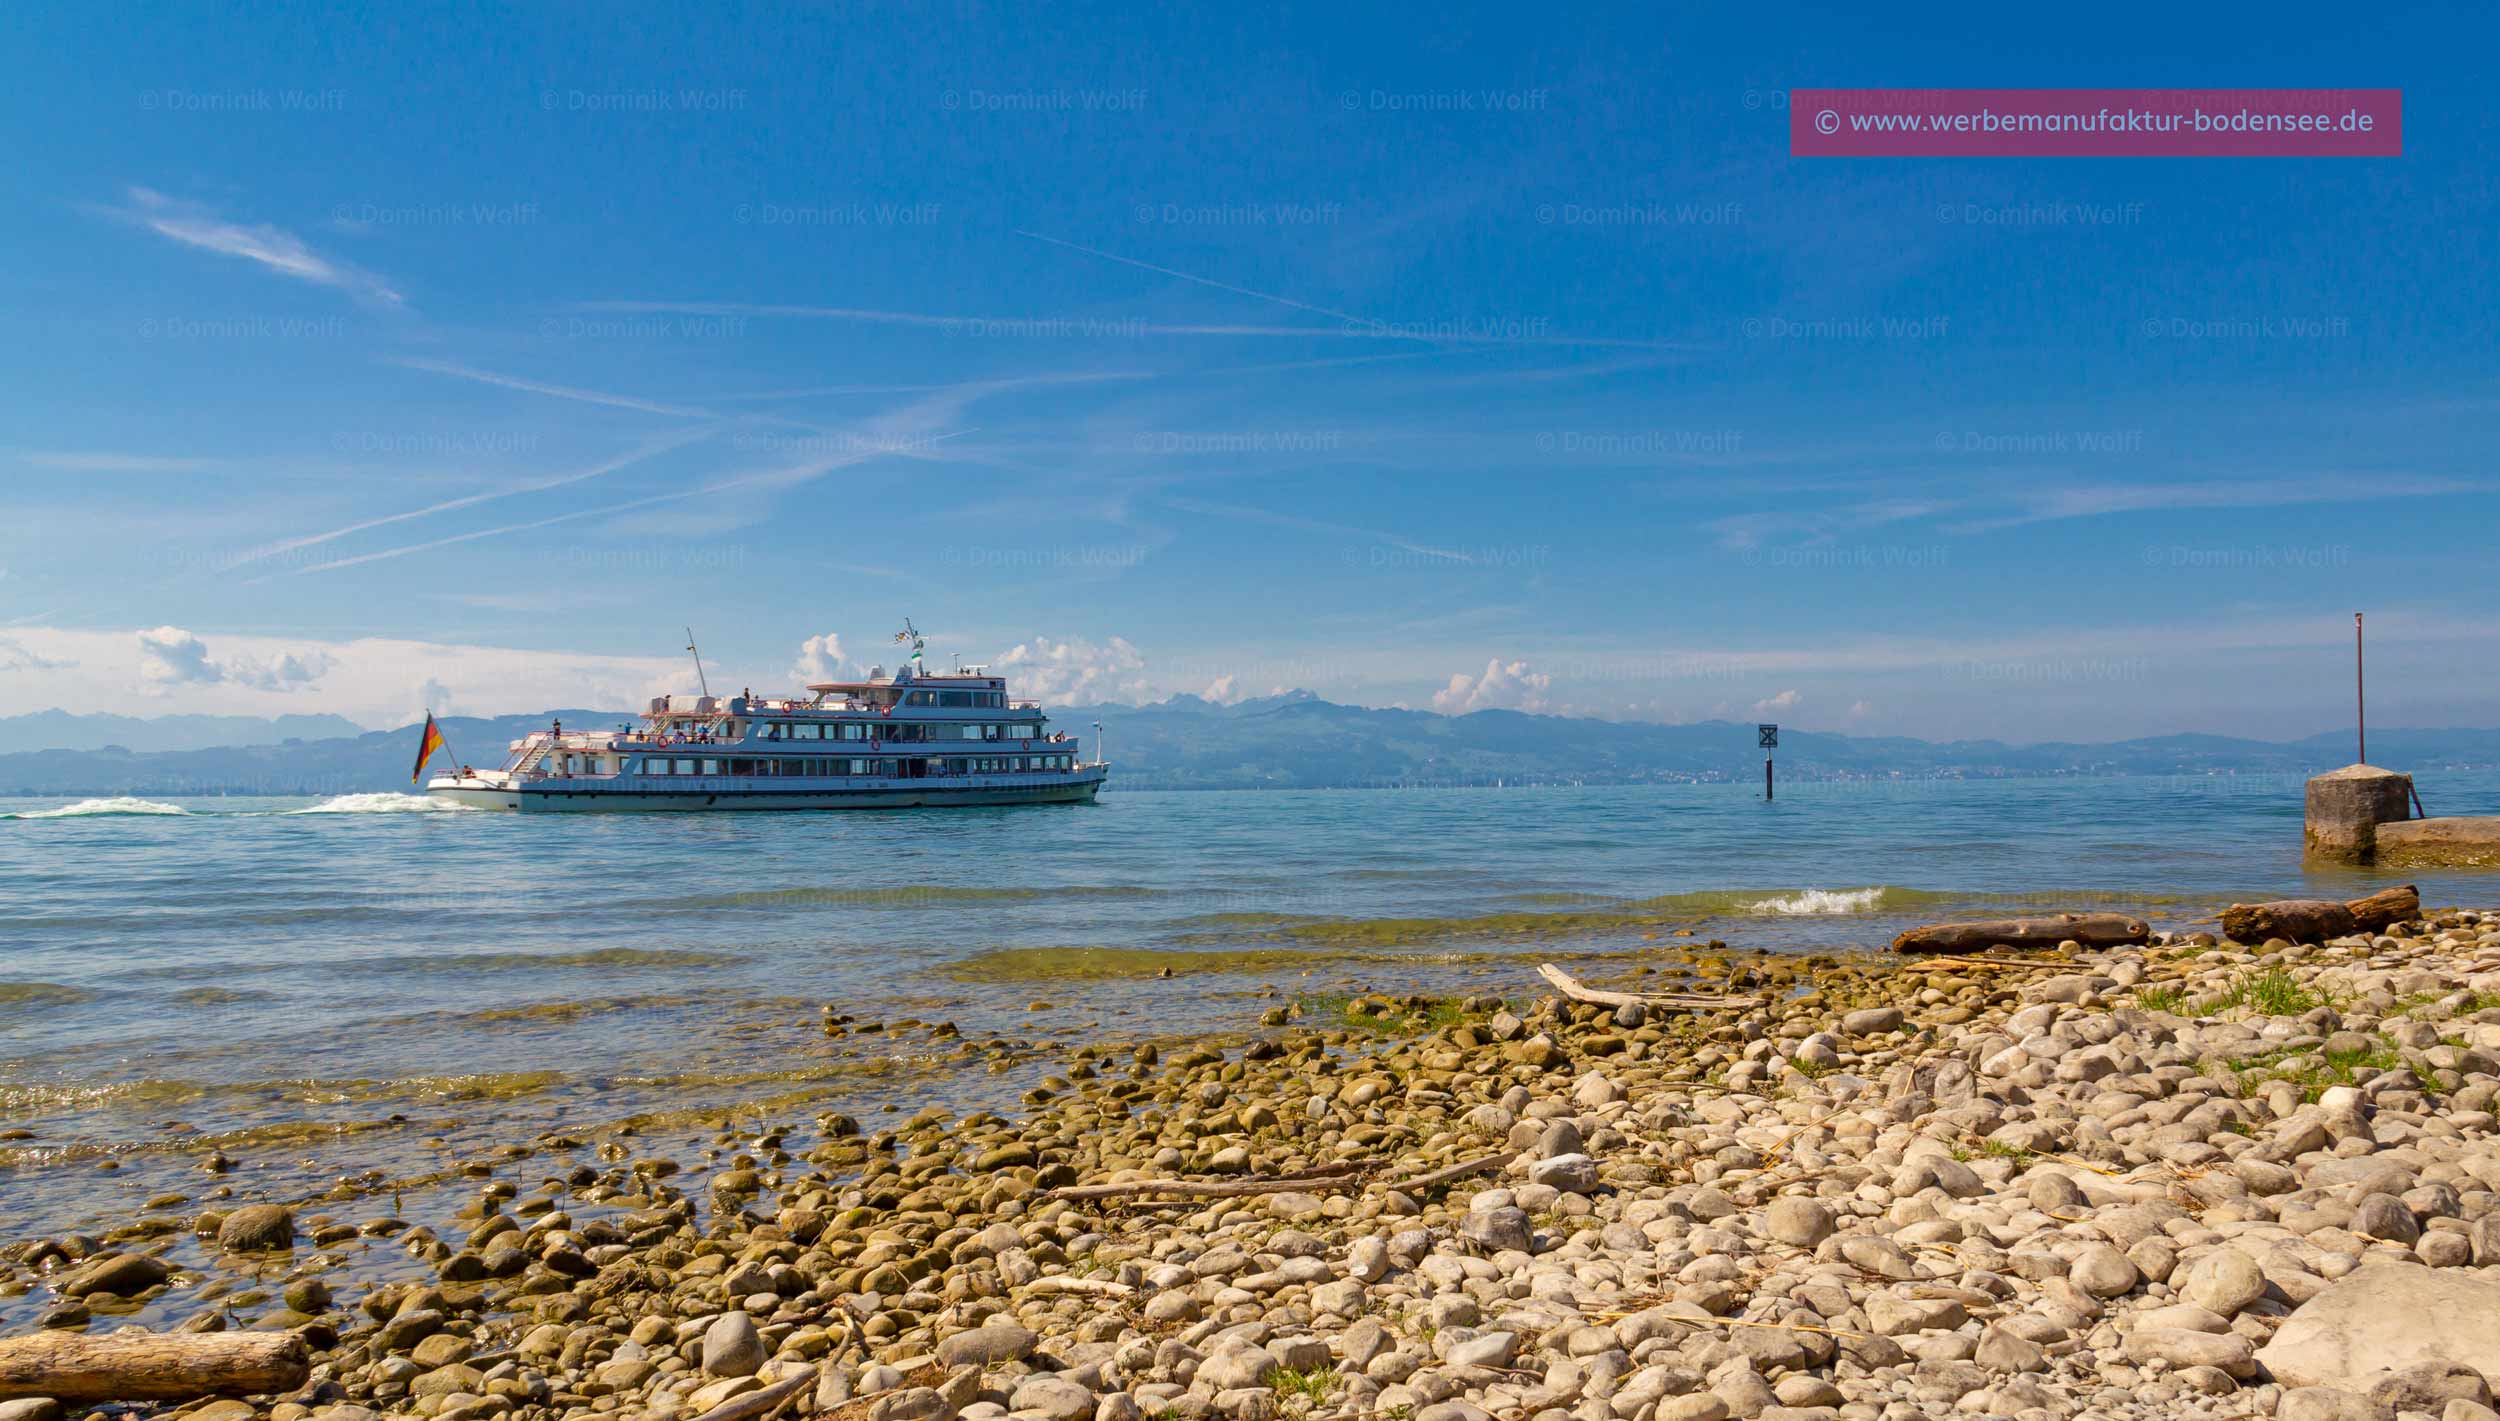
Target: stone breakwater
x,y
2195,1178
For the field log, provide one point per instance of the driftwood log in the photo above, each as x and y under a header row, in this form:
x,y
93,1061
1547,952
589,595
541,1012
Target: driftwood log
x,y
1577,991
2318,919
2089,929
763,1399
1358,1175
151,1366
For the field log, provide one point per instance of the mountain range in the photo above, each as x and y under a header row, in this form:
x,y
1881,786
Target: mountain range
x,y
1290,741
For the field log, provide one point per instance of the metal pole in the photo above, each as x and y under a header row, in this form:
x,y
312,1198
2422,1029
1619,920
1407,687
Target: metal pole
x,y
1766,777
2360,701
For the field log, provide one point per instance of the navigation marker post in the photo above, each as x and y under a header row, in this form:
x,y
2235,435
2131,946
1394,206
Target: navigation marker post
x,y
1768,737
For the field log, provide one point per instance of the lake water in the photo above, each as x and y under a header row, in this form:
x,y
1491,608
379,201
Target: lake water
x,y
375,983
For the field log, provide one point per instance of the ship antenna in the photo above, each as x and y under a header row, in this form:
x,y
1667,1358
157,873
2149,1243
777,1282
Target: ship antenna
x,y
699,678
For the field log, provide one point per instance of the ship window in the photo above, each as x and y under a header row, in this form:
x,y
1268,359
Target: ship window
x,y
951,698
811,732
852,730
711,767
685,767
917,698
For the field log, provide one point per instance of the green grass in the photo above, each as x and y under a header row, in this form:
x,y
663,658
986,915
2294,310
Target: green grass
x,y
1302,1392
2273,992
1998,1149
2166,997
2315,1073
1366,1014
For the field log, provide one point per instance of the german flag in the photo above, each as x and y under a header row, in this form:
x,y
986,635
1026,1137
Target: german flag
x,y
426,747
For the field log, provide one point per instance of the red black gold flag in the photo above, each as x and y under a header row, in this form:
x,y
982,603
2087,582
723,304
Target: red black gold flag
x,y
426,747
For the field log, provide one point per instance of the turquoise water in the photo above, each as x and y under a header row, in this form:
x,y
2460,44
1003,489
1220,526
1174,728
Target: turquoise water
x,y
383,984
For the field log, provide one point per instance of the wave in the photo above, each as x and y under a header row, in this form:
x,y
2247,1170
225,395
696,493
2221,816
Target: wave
x,y
154,1092
1817,901
86,808
14,995
384,803
889,897
614,957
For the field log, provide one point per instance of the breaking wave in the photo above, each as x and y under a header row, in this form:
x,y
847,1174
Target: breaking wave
x,y
85,808
1813,901
384,803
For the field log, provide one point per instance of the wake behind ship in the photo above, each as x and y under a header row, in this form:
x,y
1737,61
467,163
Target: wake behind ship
x,y
900,742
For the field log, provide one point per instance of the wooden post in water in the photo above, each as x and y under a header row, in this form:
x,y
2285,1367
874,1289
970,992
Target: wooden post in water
x,y
1768,737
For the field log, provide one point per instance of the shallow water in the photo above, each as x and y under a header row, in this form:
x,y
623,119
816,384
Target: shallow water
x,y
377,983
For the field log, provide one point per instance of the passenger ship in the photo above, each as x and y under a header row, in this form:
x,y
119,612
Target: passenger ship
x,y
888,742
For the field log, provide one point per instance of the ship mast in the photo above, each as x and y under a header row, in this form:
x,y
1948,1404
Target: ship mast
x,y
699,678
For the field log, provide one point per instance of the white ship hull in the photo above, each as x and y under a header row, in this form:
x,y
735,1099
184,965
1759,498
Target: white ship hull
x,y
557,796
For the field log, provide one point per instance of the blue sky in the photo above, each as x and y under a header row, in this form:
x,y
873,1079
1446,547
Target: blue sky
x,y
1493,357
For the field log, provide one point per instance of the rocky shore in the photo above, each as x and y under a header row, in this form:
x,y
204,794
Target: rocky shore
x,y
2195,1178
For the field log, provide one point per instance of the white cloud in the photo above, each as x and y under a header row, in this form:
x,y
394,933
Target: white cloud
x,y
820,659
283,672
170,657
14,657
1860,710
1505,685
372,680
1224,691
279,251
1075,671
1784,701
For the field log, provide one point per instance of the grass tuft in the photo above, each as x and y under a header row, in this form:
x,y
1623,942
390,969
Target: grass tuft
x,y
2166,997
2273,992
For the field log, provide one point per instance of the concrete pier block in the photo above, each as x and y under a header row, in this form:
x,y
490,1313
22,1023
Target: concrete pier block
x,y
2346,806
2441,843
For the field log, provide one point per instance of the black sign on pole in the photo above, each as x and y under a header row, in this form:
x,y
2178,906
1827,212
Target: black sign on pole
x,y
1768,737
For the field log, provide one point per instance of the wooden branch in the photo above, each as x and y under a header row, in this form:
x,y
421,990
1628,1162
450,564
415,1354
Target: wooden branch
x,y
151,1366
1478,1165
1060,1285
2089,929
762,1399
1329,1177
2309,920
1571,987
